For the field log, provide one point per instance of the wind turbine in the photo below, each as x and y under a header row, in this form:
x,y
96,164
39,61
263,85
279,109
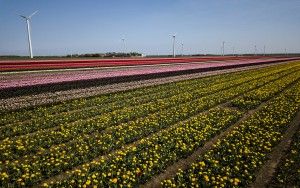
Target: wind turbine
x,y
123,40
223,48
181,49
174,36
285,52
28,19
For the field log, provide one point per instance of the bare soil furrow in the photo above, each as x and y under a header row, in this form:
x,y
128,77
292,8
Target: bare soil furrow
x,y
265,174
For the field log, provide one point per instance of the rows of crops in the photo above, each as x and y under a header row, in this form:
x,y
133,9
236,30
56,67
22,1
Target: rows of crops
x,y
129,138
288,171
28,79
54,64
235,159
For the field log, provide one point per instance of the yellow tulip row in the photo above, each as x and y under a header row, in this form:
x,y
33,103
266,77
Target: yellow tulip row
x,y
235,159
136,164
12,148
100,101
288,171
78,152
50,161
132,102
93,106
28,159
254,98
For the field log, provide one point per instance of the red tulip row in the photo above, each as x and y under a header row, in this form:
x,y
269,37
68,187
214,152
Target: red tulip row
x,y
87,76
46,64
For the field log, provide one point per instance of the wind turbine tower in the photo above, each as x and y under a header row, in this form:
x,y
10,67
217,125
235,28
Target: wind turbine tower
x,y
285,52
223,48
124,48
174,36
28,19
181,49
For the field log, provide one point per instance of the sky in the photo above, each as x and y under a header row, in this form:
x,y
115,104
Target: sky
x,y
96,26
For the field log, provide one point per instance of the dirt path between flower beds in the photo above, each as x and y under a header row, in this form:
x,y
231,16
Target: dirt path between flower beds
x,y
66,173
15,103
184,164
111,153
265,174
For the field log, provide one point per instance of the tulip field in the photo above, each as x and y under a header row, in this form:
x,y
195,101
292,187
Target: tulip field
x,y
27,82
288,172
213,131
80,63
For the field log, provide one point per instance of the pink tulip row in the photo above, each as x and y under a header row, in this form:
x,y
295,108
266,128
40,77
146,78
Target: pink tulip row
x,y
32,79
77,63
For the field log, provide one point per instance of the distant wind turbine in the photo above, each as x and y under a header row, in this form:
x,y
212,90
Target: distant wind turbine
x,y
174,36
223,48
28,19
181,49
124,48
285,52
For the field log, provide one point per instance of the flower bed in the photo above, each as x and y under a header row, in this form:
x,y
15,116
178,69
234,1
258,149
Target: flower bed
x,y
39,82
54,64
235,159
128,138
288,171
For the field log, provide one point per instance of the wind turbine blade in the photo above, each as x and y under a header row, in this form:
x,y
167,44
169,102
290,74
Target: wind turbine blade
x,y
32,14
23,16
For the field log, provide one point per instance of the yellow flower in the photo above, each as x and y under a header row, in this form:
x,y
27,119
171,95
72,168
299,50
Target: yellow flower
x,y
88,182
206,178
236,181
4,175
202,163
115,180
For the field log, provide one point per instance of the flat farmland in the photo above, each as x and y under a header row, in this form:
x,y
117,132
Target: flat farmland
x,y
19,65
235,129
27,80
